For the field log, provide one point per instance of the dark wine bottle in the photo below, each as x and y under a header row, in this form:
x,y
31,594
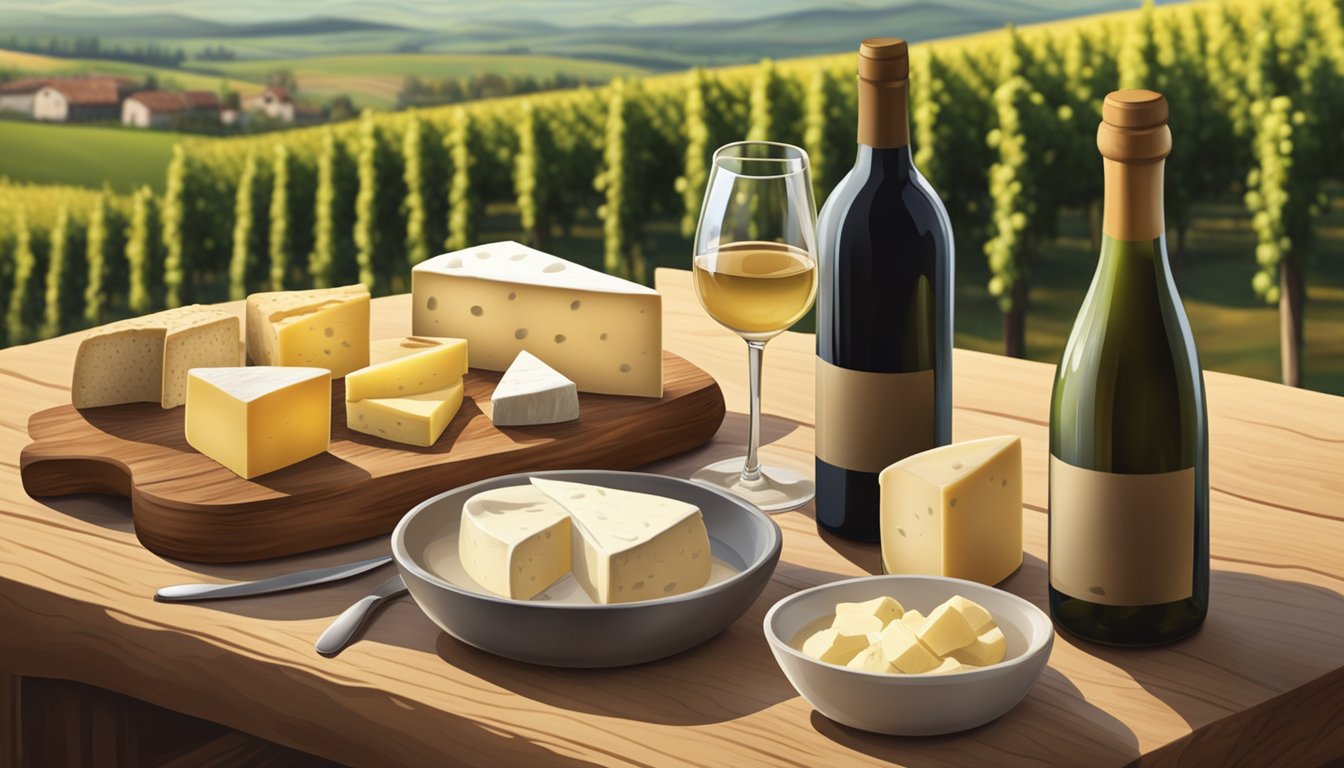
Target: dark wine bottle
x,y
884,307
1129,453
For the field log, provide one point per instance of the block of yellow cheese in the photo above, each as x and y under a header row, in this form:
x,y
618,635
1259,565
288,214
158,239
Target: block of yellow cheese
x,y
945,630
988,648
949,666
409,366
904,651
871,659
599,331
417,420
955,511
885,609
514,541
857,623
146,359
834,646
259,419
323,328
980,619
913,619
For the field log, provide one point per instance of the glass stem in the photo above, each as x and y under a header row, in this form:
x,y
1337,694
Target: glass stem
x,y
751,472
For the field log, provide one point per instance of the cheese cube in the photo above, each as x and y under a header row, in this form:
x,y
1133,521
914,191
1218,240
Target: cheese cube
x,y
632,546
146,359
259,419
884,609
410,366
599,331
949,666
532,392
857,623
514,541
416,420
955,511
903,650
945,630
870,659
980,619
325,327
833,646
988,648
913,619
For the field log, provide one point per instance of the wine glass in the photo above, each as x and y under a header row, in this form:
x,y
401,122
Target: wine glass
x,y
755,265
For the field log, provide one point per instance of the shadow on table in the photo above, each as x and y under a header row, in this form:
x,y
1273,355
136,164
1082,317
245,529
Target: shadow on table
x,y
1054,714
729,441
730,676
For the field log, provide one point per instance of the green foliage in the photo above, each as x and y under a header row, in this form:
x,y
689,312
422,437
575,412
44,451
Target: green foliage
x,y
143,260
279,238
249,240
332,261
175,238
65,278
464,200
413,152
25,306
99,288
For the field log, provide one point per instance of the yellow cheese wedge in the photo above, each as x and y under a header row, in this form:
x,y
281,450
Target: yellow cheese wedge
x,y
833,646
884,609
988,648
146,359
417,420
945,630
870,659
955,511
903,650
412,366
324,328
259,419
980,619
514,541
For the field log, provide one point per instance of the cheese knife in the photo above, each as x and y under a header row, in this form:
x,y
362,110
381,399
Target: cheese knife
x,y
342,631
186,593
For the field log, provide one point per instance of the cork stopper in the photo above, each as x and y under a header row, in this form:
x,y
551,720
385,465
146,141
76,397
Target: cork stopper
x,y
884,59
1134,127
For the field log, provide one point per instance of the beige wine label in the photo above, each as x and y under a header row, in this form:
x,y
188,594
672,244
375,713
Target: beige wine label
x,y
1118,539
867,421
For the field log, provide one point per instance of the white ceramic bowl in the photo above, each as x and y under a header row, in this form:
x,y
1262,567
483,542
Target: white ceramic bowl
x,y
912,705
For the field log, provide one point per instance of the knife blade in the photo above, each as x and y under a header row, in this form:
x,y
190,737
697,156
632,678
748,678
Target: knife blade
x,y
186,593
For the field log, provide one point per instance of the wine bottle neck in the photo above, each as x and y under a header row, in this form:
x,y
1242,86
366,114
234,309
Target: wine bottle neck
x,y
1133,209
883,119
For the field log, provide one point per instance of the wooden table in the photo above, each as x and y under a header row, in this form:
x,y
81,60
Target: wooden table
x,y
1263,682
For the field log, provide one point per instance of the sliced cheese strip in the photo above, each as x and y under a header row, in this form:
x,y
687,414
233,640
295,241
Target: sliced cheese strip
x,y
410,366
602,332
146,359
514,541
324,327
417,420
259,419
532,392
632,546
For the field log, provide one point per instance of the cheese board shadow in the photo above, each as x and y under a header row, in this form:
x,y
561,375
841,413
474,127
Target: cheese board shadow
x,y
186,506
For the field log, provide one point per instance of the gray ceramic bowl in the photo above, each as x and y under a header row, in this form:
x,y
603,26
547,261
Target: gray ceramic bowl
x,y
912,705
574,632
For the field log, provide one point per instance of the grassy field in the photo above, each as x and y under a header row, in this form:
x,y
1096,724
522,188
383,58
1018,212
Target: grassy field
x,y
375,80
30,64
84,155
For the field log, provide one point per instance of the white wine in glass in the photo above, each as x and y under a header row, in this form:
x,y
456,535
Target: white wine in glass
x,y
755,266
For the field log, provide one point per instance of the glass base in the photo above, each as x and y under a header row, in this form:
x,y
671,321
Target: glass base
x,y
777,489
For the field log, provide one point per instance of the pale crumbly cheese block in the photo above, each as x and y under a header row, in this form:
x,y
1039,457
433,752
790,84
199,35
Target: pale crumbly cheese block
x,y
885,609
988,648
632,546
146,359
514,541
259,419
955,511
417,420
601,332
409,366
324,327
532,392
834,646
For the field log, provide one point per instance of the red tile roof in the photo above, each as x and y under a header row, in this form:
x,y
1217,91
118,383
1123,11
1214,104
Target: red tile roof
x,y
26,85
176,101
280,93
92,92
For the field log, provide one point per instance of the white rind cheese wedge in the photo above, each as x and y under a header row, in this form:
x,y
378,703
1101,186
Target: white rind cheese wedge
x,y
409,366
417,420
532,392
603,333
955,511
514,541
324,328
632,546
259,419
146,359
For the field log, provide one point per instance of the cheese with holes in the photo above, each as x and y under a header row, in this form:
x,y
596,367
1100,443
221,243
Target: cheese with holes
x,y
323,328
418,419
146,359
409,366
532,392
599,331
259,419
515,541
632,546
955,511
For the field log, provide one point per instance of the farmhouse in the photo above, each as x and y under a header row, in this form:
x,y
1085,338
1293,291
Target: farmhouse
x,y
273,102
17,96
80,99
163,109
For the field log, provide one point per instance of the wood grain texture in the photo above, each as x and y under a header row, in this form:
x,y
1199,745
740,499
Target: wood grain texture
x,y
186,506
1264,672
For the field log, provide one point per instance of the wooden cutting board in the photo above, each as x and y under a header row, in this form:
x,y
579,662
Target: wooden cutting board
x,y
186,506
